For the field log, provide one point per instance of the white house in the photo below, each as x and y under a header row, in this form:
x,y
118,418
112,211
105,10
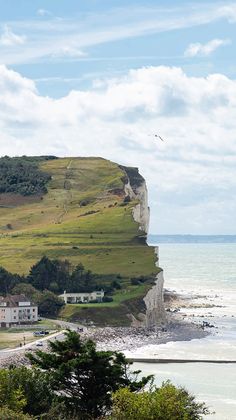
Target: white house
x,y
83,297
16,310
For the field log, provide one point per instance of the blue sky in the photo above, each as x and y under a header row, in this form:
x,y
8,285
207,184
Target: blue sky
x,y
100,77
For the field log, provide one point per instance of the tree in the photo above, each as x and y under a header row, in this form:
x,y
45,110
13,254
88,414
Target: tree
x,y
25,289
42,274
35,388
165,403
8,414
7,281
81,280
49,304
85,378
10,396
49,274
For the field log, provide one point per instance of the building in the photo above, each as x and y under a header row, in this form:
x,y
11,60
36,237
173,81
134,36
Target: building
x,y
16,310
96,296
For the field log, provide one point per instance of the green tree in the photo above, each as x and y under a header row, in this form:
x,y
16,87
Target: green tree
x,y
35,388
7,281
42,274
10,396
8,414
49,304
84,377
165,403
81,280
25,289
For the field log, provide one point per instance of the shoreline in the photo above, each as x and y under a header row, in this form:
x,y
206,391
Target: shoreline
x,y
178,327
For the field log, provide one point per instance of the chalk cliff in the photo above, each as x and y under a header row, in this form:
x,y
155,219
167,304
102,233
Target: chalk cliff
x,y
154,302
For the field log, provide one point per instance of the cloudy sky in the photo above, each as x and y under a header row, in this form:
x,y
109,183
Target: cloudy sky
x,y
102,77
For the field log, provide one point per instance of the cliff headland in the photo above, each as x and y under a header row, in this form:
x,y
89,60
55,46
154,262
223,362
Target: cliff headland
x,y
90,211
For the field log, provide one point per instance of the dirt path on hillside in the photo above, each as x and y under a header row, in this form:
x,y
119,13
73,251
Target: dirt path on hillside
x,y
69,195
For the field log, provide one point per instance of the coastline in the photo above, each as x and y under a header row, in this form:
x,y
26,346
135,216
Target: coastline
x,y
124,339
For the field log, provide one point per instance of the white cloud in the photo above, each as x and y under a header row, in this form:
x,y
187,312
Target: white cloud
x,y
191,176
198,49
9,38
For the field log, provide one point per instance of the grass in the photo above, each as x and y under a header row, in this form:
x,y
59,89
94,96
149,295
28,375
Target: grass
x,y
60,226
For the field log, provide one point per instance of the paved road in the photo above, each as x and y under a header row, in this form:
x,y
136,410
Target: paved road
x,y
32,345
59,335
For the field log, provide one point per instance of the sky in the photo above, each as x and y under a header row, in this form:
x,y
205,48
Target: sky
x,y
102,77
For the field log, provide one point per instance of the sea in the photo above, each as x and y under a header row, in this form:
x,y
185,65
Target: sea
x,y
202,269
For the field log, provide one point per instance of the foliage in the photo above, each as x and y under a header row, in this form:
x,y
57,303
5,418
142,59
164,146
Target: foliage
x,y
21,175
141,279
25,289
46,273
49,304
34,386
84,377
55,276
8,414
7,281
165,403
10,396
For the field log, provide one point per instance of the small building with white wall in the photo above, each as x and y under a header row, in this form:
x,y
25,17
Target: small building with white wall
x,y
83,297
16,310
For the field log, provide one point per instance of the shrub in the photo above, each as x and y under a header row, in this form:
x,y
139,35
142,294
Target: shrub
x,y
107,299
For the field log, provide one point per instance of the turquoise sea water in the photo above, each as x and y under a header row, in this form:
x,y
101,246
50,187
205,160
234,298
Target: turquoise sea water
x,y
206,272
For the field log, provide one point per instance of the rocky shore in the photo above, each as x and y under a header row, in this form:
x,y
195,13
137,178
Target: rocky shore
x,y
178,327
121,338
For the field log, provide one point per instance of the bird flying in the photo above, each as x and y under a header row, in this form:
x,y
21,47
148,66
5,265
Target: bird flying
x,y
157,136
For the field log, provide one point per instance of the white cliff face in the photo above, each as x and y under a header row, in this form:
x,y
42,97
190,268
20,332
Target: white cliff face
x,y
141,212
129,191
154,301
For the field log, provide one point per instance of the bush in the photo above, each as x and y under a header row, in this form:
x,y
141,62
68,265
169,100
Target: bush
x,y
116,285
134,281
107,299
20,175
8,414
165,403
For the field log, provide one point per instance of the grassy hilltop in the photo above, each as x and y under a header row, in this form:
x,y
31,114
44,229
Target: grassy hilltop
x,y
83,218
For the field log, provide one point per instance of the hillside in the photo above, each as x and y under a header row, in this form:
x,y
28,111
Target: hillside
x,y
83,217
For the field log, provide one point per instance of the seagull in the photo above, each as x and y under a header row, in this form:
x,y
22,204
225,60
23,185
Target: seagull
x,y
157,136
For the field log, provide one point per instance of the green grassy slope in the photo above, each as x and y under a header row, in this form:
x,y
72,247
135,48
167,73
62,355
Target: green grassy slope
x,y
81,218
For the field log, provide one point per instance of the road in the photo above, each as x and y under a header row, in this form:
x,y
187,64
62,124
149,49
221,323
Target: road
x,y
33,345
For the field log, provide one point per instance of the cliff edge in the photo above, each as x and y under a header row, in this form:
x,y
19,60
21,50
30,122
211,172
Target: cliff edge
x,y
136,189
